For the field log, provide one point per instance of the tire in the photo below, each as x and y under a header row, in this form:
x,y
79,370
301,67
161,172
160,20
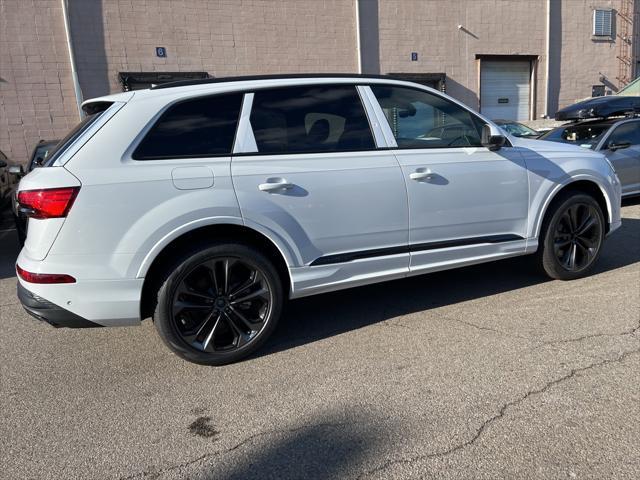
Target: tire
x,y
219,303
568,250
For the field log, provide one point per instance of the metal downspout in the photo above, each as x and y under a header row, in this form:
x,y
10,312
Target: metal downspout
x,y
72,58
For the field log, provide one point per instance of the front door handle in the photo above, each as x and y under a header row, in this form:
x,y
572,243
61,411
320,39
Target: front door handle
x,y
274,185
422,174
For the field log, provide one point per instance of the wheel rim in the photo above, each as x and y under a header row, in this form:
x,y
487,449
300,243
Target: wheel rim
x,y
222,305
577,237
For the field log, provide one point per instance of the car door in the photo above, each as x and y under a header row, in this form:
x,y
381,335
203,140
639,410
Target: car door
x,y
307,169
622,148
465,201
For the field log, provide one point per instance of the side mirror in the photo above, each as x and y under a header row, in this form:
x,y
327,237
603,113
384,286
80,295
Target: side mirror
x,y
492,138
617,146
16,170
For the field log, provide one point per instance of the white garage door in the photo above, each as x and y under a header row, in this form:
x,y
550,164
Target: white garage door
x,y
505,89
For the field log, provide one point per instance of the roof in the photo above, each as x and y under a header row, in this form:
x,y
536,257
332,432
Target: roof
x,y
600,107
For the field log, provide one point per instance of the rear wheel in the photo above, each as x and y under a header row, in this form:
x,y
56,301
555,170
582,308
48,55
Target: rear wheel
x,y
219,304
572,236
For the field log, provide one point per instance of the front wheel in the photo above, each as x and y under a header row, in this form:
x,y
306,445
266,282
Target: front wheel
x,y
572,236
220,304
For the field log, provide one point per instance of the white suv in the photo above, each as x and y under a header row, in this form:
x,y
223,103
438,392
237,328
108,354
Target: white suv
x,y
206,204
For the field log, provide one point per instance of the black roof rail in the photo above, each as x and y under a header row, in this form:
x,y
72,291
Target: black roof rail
x,y
205,81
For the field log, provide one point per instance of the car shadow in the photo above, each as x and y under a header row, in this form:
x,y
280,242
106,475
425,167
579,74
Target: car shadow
x,y
314,318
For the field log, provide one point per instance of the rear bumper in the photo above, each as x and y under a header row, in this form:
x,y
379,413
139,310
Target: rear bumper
x,y
46,311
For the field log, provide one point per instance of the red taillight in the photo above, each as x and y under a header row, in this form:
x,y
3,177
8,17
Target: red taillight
x,y
47,203
44,277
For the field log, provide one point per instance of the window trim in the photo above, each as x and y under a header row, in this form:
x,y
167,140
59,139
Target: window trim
x,y
156,118
284,87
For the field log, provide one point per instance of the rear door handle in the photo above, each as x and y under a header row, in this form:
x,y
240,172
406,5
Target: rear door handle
x,y
421,174
274,185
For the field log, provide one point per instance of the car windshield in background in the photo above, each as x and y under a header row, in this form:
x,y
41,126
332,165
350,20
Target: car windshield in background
x,y
518,129
585,135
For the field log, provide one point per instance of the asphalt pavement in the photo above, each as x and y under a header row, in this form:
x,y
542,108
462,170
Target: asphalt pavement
x,y
485,372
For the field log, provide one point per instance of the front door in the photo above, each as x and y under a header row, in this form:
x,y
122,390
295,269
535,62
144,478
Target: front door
x,y
464,200
316,179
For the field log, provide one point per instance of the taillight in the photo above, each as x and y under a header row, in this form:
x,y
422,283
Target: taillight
x,y
48,202
44,277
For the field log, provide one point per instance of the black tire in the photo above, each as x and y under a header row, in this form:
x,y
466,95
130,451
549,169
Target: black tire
x,y
190,302
566,252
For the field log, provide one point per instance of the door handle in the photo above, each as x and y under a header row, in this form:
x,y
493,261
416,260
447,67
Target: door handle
x,y
275,184
422,174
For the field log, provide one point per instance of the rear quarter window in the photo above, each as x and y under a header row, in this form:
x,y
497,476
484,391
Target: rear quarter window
x,y
199,127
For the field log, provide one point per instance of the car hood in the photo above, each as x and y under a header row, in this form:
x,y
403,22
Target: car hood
x,y
551,147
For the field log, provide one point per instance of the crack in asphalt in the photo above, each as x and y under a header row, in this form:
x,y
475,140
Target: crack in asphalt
x,y
500,414
155,473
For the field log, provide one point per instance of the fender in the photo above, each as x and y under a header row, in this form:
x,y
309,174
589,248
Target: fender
x,y
550,195
291,257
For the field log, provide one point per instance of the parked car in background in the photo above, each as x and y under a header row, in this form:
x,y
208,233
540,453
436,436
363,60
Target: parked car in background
x,y
38,156
609,125
7,181
207,204
517,129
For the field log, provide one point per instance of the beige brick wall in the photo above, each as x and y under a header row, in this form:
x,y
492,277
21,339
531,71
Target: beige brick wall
x,y
240,37
36,92
222,37
497,27
430,27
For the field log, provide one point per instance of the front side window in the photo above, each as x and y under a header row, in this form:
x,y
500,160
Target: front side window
x,y
200,127
626,133
310,119
419,119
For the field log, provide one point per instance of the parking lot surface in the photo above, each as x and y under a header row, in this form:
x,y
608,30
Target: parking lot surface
x,y
484,372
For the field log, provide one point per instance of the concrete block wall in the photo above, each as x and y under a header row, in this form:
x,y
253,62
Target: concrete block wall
x,y
221,37
36,91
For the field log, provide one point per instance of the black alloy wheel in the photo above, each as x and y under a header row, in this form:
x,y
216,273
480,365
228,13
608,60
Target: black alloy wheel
x,y
219,304
571,237
577,237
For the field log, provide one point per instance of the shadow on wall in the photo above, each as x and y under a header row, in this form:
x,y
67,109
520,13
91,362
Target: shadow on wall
x,y
555,56
328,447
87,32
462,93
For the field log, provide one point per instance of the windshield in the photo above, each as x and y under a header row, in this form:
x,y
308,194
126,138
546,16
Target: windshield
x,y
518,129
585,135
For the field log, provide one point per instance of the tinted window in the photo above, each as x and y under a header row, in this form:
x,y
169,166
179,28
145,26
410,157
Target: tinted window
x,y
310,119
420,119
627,132
201,127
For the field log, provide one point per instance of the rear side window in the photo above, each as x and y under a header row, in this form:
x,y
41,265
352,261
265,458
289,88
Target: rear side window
x,y
201,127
310,119
71,137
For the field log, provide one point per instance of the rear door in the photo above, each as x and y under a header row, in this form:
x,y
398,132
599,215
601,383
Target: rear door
x,y
625,159
309,172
